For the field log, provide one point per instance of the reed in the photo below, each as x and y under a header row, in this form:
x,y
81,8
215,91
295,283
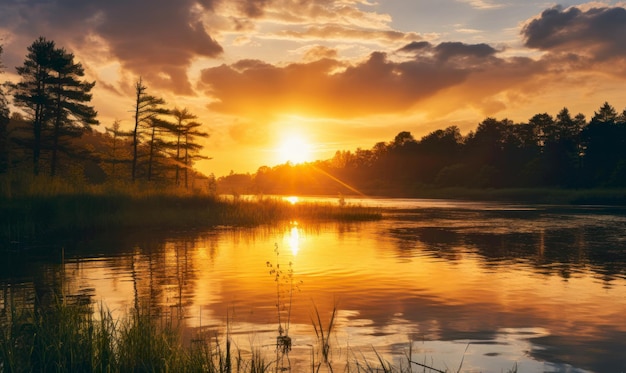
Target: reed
x,y
68,336
30,217
323,338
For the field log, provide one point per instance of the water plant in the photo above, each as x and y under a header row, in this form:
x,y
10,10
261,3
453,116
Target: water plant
x,y
285,287
323,338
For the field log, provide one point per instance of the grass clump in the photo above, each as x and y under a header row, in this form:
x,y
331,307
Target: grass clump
x,y
66,337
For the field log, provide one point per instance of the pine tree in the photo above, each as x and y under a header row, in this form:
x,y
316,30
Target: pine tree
x,y
4,126
147,109
32,92
52,94
69,95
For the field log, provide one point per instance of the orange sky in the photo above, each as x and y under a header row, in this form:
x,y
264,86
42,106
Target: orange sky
x,y
338,74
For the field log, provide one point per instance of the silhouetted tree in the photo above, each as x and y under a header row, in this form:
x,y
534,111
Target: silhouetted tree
x,y
116,137
437,150
604,143
55,99
32,92
4,125
485,151
547,131
157,143
606,114
181,118
192,148
69,97
147,108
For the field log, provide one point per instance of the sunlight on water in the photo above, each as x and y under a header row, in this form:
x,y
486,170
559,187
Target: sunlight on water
x,y
492,287
292,238
292,199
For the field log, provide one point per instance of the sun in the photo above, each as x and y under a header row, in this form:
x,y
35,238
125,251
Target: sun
x,y
295,149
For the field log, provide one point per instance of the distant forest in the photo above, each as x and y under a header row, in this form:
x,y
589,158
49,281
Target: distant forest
x,y
53,133
564,151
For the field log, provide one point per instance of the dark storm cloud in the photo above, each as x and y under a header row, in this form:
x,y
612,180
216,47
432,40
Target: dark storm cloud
x,y
599,33
156,39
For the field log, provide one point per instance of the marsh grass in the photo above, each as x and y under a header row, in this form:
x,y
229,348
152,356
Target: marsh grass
x,y
70,337
323,338
66,337
30,216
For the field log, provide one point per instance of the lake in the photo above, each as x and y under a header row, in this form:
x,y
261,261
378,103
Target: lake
x,y
482,286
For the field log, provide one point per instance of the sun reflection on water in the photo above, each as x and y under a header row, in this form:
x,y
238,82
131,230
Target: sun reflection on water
x,y
292,199
292,238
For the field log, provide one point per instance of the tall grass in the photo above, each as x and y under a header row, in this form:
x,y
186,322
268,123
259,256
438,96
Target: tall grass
x,y
68,338
323,338
30,217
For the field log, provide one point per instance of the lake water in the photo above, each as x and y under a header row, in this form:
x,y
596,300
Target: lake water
x,y
483,286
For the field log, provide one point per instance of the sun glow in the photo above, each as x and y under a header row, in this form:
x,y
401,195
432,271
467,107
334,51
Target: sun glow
x,y
295,149
292,237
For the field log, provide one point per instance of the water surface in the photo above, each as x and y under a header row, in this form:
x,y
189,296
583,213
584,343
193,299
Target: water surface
x,y
487,284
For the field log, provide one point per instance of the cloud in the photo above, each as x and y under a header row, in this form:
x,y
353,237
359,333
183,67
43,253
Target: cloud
x,y
482,4
598,33
319,52
157,39
341,33
285,12
451,51
377,85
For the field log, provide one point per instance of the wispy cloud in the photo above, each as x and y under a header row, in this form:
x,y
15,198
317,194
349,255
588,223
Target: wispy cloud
x,y
482,4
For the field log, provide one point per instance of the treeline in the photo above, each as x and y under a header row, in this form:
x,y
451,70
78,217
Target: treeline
x,y
52,133
564,151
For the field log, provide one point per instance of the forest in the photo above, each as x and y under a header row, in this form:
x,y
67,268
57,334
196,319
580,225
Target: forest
x,y
565,151
53,132
53,135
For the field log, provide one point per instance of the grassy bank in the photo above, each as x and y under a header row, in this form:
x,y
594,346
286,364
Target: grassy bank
x,y
55,210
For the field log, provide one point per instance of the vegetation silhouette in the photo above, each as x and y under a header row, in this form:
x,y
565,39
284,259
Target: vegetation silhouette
x,y
54,129
545,152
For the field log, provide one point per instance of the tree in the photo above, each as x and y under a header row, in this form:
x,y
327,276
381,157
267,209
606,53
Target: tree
x,y
56,99
70,113
547,130
4,126
181,117
156,143
116,134
191,146
32,93
147,108
604,142
606,114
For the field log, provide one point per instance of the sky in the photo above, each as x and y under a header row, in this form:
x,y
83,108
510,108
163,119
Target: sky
x,y
297,80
